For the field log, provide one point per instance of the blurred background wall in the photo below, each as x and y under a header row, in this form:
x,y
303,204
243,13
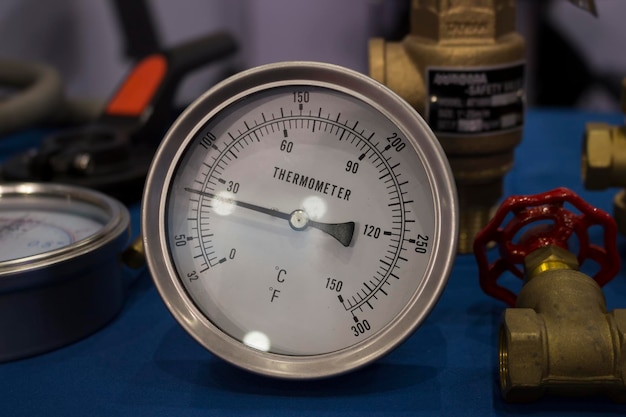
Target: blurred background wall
x,y
574,58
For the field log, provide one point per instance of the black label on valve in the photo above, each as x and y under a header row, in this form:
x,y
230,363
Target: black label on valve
x,y
464,101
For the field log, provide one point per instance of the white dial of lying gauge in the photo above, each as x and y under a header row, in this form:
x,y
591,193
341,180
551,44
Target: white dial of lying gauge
x,y
300,220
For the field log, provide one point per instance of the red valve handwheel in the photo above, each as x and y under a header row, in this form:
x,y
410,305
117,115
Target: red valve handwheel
x,y
555,225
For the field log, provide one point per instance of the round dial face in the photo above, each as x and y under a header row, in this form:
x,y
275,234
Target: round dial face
x,y
45,225
300,220
39,224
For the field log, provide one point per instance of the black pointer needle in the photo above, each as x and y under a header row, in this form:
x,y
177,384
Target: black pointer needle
x,y
298,219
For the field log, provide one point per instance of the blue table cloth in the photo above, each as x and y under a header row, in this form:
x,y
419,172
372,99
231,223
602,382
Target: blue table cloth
x,y
144,364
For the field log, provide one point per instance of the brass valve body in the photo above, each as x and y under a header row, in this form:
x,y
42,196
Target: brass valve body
x,y
450,42
560,339
604,161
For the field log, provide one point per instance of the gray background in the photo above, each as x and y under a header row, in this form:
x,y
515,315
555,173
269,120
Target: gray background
x,y
81,38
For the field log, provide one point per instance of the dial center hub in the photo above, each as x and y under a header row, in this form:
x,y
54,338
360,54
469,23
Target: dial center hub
x,y
299,220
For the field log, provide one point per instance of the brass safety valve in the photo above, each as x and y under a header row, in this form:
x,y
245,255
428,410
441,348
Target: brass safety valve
x,y
462,68
559,338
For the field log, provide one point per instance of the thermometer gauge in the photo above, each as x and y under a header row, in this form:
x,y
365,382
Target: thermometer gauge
x,y
300,220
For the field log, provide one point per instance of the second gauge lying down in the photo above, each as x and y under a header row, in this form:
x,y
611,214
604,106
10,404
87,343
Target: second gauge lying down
x,y
300,220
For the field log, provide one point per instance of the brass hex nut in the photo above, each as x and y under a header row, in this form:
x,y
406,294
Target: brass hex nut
x,y
597,159
522,360
549,258
461,19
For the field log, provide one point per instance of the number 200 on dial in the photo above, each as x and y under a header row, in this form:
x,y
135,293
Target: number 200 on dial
x,y
300,220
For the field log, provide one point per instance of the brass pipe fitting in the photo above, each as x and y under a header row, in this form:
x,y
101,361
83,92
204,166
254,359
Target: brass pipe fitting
x,y
604,161
461,67
560,339
134,256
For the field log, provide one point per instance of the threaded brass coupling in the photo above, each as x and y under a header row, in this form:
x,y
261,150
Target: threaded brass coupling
x,y
604,161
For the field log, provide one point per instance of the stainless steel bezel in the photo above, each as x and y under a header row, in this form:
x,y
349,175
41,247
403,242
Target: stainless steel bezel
x,y
113,228
166,163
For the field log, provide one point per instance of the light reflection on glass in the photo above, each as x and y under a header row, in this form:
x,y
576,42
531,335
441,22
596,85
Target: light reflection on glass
x,y
26,189
315,207
223,203
257,340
